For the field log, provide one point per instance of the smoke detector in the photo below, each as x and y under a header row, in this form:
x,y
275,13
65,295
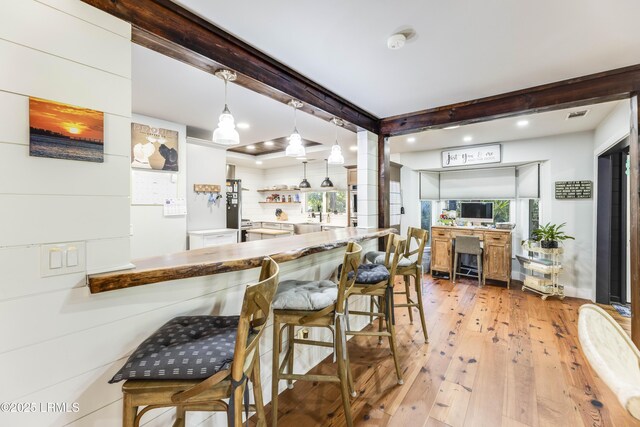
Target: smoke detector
x,y
396,41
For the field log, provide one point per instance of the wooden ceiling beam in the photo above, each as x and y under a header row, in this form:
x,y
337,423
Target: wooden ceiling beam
x,y
174,31
595,88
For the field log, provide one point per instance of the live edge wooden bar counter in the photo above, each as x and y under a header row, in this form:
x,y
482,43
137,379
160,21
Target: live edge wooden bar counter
x,y
227,258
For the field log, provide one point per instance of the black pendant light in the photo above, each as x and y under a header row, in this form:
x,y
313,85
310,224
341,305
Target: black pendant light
x,y
304,185
327,182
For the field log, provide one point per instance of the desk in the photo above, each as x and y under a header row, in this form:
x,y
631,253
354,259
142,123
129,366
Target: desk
x,y
496,259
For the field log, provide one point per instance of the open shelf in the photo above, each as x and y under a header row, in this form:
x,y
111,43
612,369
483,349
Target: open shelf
x,y
290,190
281,203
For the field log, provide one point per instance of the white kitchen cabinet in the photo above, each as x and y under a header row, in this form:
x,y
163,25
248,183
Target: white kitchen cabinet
x,y
207,238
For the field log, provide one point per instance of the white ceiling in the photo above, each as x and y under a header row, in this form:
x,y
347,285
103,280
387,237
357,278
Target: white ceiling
x,y
177,92
539,125
463,49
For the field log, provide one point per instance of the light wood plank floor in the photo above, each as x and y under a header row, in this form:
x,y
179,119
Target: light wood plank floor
x,y
495,358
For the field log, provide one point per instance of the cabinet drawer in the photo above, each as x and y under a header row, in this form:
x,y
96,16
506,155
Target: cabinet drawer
x,y
219,239
497,237
438,232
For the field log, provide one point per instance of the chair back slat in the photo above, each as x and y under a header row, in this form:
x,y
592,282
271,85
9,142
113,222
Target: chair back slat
x,y
416,238
350,264
256,307
398,244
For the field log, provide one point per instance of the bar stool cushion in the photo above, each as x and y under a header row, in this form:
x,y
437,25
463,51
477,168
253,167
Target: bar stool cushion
x,y
377,257
184,348
305,295
369,274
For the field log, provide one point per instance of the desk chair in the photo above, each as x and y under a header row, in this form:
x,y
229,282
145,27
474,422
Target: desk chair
x,y
612,354
469,245
192,363
314,304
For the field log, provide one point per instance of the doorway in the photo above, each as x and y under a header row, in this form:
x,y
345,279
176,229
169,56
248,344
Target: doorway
x,y
612,275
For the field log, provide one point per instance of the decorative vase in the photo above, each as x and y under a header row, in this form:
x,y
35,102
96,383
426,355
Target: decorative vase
x,y
549,244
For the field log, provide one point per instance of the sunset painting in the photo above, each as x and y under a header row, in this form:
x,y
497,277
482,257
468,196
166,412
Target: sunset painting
x,y
64,131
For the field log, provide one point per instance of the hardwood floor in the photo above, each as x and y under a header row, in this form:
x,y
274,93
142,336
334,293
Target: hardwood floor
x,y
495,358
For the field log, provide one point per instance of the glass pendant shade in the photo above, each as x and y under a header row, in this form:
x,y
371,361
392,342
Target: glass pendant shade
x,y
295,147
226,133
336,157
327,182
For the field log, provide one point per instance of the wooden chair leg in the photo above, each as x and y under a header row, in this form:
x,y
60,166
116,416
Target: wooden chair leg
x,y
407,284
421,305
237,397
352,387
257,392
381,309
275,368
371,306
479,270
129,412
394,349
291,331
455,266
342,373
181,415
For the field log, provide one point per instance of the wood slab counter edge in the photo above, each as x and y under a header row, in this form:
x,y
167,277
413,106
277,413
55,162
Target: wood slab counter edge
x,y
226,258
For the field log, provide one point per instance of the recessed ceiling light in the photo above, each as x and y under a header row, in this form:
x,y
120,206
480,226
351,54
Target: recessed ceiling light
x,y
258,162
452,127
467,138
251,147
243,125
522,123
268,143
353,148
411,139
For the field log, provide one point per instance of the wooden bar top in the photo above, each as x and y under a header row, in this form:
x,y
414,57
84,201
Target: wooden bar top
x,y
226,258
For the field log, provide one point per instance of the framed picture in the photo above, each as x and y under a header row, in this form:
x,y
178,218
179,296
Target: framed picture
x,y
474,155
63,131
153,148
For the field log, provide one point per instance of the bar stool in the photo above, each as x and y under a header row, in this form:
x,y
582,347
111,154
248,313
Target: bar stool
x,y
469,245
376,281
192,363
314,304
416,237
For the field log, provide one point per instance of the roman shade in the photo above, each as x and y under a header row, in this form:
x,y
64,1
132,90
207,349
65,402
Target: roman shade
x,y
478,184
529,181
430,185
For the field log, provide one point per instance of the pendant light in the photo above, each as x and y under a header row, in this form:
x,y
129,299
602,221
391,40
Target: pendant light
x,y
304,185
295,147
336,157
226,133
327,182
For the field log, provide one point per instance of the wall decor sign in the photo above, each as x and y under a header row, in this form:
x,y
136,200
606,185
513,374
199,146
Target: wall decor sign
x,y
476,155
63,131
573,189
154,148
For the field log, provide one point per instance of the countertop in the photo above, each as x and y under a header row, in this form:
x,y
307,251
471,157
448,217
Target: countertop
x,y
213,231
268,231
226,258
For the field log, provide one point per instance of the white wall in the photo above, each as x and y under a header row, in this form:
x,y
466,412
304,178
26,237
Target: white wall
x,y
206,165
410,185
613,128
564,158
153,233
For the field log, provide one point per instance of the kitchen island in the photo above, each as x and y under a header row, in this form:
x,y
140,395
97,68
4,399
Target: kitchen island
x,y
228,258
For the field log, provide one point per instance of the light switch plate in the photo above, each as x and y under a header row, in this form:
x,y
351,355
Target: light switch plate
x,y
71,256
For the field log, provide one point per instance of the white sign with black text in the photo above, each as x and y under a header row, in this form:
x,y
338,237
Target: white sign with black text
x,y
477,155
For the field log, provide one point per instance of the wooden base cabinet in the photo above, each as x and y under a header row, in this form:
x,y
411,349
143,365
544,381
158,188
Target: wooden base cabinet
x,y
496,251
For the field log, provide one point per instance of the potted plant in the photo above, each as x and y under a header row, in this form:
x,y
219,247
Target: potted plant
x,y
549,235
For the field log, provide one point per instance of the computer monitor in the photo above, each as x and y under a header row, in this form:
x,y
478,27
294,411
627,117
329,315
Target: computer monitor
x,y
476,212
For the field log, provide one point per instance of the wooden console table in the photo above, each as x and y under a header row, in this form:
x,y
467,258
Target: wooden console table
x,y
496,260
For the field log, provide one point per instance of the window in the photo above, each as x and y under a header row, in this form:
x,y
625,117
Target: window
x,y
534,215
501,208
425,217
334,202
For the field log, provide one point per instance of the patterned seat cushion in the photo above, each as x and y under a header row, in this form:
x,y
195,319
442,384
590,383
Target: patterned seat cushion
x,y
369,274
305,295
185,348
377,257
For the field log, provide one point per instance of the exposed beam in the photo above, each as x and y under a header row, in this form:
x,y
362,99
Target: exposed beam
x,y
634,200
601,87
174,31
